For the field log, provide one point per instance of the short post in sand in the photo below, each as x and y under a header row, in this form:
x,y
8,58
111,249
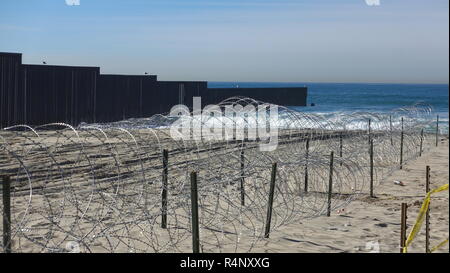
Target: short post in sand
x,y
427,216
242,176
165,173
421,142
330,184
401,147
270,202
340,148
437,130
306,165
369,131
6,189
403,227
194,212
371,169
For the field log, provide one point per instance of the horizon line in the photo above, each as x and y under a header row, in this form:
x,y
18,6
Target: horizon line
x,y
306,82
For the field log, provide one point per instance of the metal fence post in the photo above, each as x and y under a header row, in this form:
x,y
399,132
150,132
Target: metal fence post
x,y
371,168
437,130
270,202
165,173
330,184
306,165
390,129
421,142
340,148
401,147
194,208
6,214
403,227
242,177
427,217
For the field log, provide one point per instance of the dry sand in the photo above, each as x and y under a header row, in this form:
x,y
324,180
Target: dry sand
x,y
363,225
367,222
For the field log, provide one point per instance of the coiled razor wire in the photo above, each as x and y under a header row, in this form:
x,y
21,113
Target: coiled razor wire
x,y
98,187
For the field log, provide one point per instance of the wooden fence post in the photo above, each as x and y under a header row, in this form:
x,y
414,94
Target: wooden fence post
x,y
270,202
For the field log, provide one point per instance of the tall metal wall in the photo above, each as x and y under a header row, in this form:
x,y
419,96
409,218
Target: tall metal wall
x,y
59,94
10,110
125,96
40,94
287,96
172,93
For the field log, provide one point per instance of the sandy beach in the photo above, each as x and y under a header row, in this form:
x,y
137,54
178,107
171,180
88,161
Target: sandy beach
x,y
367,221
104,194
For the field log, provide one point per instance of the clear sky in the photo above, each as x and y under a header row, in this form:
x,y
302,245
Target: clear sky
x,y
227,40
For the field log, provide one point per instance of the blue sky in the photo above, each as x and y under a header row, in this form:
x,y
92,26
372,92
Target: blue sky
x,y
227,40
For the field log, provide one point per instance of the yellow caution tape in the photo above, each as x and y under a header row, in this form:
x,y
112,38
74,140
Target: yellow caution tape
x,y
420,217
439,246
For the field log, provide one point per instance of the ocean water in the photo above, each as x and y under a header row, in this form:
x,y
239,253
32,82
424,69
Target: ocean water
x,y
359,97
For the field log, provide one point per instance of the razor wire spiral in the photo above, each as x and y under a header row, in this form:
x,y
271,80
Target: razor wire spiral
x,y
97,187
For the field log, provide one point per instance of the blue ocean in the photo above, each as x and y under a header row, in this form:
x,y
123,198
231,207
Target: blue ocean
x,y
356,97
